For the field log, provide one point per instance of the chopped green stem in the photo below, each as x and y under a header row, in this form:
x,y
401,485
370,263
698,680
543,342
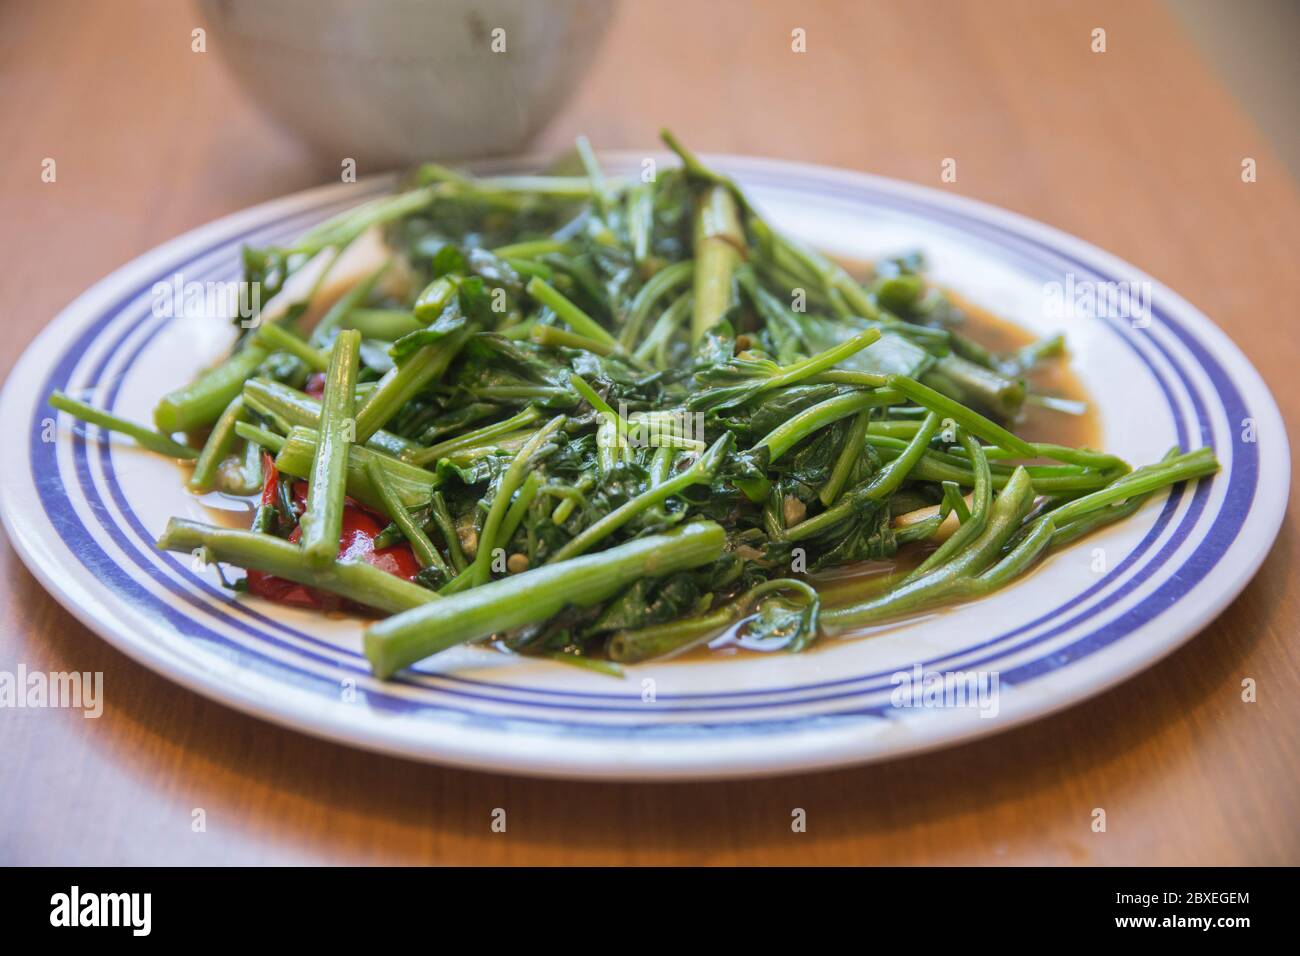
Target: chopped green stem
x,y
554,337
1086,457
217,447
202,401
535,595
565,507
427,456
531,249
954,502
322,522
719,242
519,507
787,375
402,383
1048,480
343,228
922,530
447,528
661,468
562,187
260,436
948,581
288,407
826,360
639,212
387,325
355,580
435,297
975,422
568,312
1090,522
695,168
617,430
511,443
972,384
661,283
412,484
895,429
244,477
1194,464
670,320
529,268
850,455
1053,346
667,427
973,526
276,338
886,482
509,483
423,548
833,277
144,437
671,637
701,471
789,433
1020,558
595,178
841,376
881,484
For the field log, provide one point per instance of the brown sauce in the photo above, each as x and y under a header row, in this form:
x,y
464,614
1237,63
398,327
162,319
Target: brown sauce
x,y
1052,377
227,510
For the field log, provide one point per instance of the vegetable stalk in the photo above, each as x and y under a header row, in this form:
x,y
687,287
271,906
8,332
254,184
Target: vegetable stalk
x,y
355,580
535,595
719,241
322,522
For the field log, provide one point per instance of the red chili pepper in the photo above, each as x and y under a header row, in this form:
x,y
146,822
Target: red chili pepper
x,y
357,541
360,529
283,591
271,482
315,386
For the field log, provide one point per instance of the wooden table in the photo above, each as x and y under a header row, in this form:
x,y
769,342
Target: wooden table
x,y
1138,149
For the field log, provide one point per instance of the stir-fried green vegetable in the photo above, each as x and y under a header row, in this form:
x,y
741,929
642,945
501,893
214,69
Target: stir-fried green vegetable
x,y
594,420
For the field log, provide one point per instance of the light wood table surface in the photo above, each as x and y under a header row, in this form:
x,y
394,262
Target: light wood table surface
x,y
1138,150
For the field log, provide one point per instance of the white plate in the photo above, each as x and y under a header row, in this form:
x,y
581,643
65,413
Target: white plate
x,y
83,509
